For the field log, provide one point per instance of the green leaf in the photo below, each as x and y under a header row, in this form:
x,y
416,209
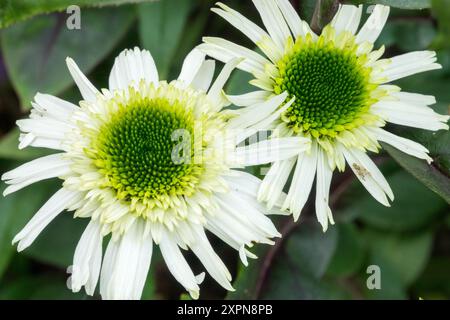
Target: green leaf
x,y
161,25
437,175
430,176
441,10
401,4
435,280
310,249
403,256
414,206
349,255
12,11
9,148
296,272
42,287
288,283
15,213
407,34
35,51
57,242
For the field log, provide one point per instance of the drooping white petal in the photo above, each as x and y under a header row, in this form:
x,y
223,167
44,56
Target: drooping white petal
x,y
405,145
415,98
302,182
87,259
129,265
132,66
257,112
29,139
43,168
273,183
54,106
191,66
323,182
375,173
248,99
205,253
204,76
216,92
366,176
298,27
228,219
410,63
45,127
108,266
273,21
61,200
225,50
247,185
347,18
177,265
261,38
410,115
374,25
87,89
266,124
275,149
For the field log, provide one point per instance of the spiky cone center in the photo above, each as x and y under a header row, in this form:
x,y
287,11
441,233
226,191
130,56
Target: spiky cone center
x,y
330,82
146,150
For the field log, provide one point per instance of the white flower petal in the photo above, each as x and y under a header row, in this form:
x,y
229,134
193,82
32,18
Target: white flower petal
x,y
405,145
132,66
251,30
43,168
273,21
224,50
191,66
374,25
87,259
410,63
414,98
213,264
54,106
298,27
87,89
130,264
248,99
250,214
60,201
323,182
216,92
375,173
271,150
204,76
257,112
302,182
247,185
178,265
273,183
410,115
347,18
366,177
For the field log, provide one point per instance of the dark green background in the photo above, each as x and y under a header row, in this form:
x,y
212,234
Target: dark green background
x,y
409,241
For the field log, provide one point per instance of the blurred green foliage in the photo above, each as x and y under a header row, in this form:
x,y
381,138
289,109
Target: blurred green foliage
x,y
410,241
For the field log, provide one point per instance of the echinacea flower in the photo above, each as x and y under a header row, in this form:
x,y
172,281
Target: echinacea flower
x,y
338,96
126,164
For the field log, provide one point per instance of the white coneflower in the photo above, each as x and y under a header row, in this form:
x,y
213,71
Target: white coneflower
x,y
343,98
118,162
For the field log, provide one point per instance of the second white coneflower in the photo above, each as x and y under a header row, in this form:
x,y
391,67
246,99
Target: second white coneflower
x,y
339,98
